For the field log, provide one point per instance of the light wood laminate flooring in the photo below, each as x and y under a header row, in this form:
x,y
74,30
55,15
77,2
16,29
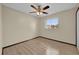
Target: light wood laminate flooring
x,y
41,46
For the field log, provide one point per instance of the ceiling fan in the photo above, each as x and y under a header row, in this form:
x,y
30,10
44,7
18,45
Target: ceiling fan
x,y
39,10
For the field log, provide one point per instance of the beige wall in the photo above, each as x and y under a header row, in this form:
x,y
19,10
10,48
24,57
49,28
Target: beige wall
x,y
17,26
0,29
66,30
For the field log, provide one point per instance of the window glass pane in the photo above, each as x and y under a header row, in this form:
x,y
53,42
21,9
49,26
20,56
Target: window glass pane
x,y
53,21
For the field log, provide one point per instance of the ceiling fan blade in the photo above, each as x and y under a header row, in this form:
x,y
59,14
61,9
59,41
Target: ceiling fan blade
x,y
33,7
32,12
45,7
45,12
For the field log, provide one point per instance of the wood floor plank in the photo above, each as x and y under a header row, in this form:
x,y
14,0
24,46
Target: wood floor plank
x,y
41,46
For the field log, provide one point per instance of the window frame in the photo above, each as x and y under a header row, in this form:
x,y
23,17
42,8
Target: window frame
x,y
46,26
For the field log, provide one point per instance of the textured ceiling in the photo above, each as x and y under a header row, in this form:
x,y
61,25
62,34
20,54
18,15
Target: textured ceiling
x,y
54,7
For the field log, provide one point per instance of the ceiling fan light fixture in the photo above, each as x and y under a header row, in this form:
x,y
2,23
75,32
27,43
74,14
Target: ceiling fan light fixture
x,y
39,13
39,10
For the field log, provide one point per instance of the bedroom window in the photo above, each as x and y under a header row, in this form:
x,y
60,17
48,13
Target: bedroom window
x,y
52,23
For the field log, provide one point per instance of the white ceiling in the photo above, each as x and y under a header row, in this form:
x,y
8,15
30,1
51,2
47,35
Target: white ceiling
x,y
54,7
